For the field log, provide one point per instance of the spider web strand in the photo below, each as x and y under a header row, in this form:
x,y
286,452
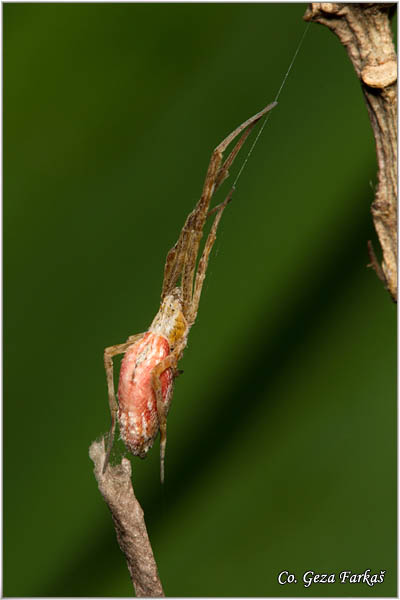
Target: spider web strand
x,y
268,114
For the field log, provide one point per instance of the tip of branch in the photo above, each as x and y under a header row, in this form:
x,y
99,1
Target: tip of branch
x,y
97,453
115,485
97,450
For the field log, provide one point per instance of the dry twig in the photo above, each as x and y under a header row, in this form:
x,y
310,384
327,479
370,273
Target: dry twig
x,y
116,488
364,30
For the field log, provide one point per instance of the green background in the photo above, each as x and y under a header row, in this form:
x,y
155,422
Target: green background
x,y
282,433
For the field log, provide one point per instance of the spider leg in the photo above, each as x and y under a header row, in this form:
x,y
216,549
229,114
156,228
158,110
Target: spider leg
x,y
194,226
203,262
181,259
216,174
170,361
247,126
108,364
192,229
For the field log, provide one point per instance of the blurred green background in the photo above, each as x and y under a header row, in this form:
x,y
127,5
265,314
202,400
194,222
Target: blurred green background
x,y
282,433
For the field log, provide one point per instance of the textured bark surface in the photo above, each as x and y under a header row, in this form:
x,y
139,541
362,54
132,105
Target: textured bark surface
x,y
116,488
365,32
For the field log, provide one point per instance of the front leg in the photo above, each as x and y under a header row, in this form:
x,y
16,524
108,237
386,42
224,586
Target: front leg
x,y
203,262
108,364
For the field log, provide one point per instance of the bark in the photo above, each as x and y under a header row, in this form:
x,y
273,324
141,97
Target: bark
x,y
365,32
116,488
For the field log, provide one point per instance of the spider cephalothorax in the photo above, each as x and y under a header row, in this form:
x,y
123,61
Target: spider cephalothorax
x,y
170,320
151,358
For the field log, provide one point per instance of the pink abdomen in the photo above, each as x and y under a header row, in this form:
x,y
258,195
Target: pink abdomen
x,y
137,414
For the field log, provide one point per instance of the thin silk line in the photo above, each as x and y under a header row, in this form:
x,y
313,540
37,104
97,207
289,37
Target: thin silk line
x,y
269,113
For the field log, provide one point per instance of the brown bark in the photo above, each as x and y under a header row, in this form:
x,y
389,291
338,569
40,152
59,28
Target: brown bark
x,y
116,488
364,30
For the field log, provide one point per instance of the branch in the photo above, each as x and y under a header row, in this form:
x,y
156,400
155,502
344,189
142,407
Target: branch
x,y
364,30
116,488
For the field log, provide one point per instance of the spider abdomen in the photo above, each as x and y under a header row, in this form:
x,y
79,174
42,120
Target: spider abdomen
x,y
137,413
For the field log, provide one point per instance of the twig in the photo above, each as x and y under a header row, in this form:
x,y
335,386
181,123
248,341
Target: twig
x,y
116,488
364,30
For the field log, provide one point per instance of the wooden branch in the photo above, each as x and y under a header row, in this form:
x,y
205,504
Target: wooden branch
x,y
364,30
116,488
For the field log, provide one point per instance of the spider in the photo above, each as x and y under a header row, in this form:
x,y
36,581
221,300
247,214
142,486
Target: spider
x,y
149,366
